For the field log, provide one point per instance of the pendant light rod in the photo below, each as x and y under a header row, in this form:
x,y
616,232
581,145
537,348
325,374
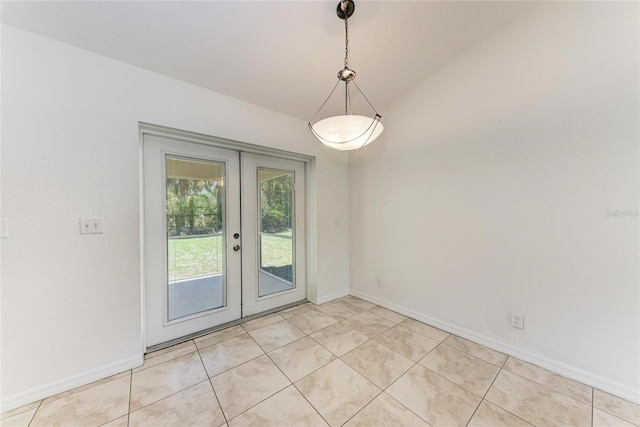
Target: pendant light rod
x,y
346,40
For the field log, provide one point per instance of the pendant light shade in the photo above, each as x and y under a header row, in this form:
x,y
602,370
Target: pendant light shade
x,y
347,131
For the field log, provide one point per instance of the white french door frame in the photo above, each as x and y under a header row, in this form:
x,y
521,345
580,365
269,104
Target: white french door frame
x,y
202,139
252,301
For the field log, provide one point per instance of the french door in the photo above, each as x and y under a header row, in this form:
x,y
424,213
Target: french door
x,y
224,235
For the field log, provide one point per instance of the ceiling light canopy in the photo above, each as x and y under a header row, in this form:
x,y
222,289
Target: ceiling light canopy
x,y
347,131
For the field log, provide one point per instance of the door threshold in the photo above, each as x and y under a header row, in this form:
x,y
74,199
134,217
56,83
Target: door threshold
x,y
217,328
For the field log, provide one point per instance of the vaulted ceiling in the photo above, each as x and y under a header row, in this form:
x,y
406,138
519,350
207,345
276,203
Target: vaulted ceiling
x,y
282,55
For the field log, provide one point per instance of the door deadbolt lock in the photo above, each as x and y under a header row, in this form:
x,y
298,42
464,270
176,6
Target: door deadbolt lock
x,y
236,235
236,248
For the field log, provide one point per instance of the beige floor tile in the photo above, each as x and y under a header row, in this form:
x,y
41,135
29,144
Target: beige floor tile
x,y
391,316
247,385
435,399
337,392
86,387
385,411
537,404
93,406
467,371
261,322
285,408
300,358
290,309
229,354
557,382
161,356
425,329
118,422
369,324
339,338
360,303
218,336
339,310
476,350
604,419
294,311
20,409
20,419
195,406
276,335
160,381
378,363
407,342
312,321
619,407
490,415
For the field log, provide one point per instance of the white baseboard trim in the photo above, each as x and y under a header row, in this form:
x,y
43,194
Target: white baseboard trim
x,y
47,390
331,297
596,381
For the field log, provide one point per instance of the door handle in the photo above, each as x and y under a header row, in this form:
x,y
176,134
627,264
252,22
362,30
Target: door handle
x,y
236,248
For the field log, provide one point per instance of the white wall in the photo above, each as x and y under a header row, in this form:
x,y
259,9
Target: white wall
x,y
70,303
488,194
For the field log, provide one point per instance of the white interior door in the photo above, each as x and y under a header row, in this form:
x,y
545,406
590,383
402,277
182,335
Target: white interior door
x,y
273,227
191,225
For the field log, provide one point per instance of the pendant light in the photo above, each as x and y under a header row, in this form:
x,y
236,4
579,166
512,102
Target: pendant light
x,y
348,131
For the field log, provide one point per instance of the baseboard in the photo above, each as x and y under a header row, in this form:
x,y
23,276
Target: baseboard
x,y
596,381
331,297
47,390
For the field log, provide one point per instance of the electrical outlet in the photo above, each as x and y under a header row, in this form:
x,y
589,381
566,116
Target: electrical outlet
x,y
90,225
379,282
517,320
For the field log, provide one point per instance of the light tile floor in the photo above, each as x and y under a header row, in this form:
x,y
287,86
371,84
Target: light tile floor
x,y
347,362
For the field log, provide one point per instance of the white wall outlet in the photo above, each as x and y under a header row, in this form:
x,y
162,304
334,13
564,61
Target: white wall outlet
x,y
379,282
517,320
90,225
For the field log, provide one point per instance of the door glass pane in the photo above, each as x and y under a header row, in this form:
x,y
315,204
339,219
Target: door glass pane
x,y
275,231
195,236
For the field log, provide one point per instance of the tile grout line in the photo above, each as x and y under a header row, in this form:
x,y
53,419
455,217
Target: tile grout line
x,y
396,380
482,399
166,397
130,396
368,403
550,388
35,413
504,409
212,387
226,339
617,415
297,389
592,410
468,353
268,397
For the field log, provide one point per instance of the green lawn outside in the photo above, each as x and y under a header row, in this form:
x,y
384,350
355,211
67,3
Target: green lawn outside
x,y
201,256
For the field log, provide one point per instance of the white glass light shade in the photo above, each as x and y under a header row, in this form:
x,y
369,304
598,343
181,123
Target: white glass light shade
x,y
347,132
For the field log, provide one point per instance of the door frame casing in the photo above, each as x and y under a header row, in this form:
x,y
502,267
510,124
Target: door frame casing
x,y
145,128
252,302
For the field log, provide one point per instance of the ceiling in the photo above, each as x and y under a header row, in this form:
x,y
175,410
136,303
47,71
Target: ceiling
x,y
282,55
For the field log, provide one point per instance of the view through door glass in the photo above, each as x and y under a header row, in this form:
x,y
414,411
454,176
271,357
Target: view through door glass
x,y
195,209
276,231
